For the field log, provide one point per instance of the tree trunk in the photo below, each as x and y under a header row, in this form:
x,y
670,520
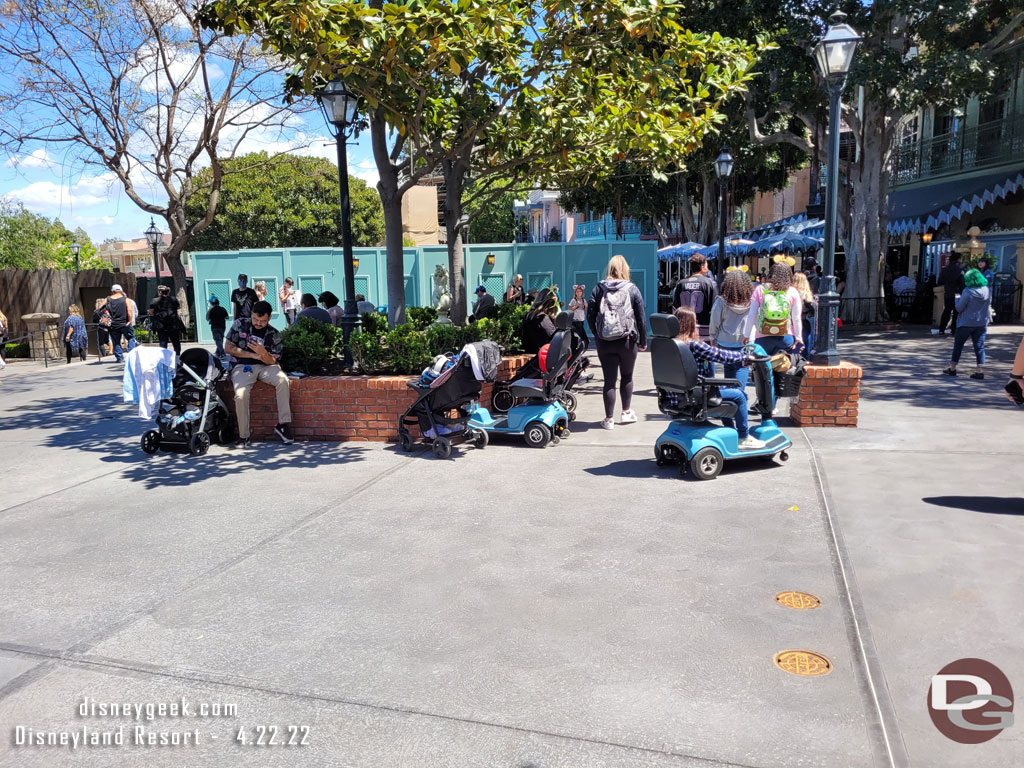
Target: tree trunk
x,y
689,222
172,257
708,213
454,180
391,201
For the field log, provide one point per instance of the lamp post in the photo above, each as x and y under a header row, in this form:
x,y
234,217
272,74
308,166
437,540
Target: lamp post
x,y
76,249
926,237
340,107
723,170
153,238
834,56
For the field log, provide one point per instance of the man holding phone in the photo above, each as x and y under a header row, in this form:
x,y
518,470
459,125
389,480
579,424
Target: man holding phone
x,y
255,347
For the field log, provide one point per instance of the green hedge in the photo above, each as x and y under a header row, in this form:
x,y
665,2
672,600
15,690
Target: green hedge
x,y
21,349
409,348
310,346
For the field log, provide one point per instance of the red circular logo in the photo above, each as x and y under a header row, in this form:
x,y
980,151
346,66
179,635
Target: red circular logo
x,y
970,701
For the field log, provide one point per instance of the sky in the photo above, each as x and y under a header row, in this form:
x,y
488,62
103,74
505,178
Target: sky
x,y
57,188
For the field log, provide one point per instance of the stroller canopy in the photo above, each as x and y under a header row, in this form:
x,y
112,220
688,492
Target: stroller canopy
x,y
202,362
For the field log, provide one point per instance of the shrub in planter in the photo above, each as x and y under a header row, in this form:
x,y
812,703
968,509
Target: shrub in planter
x,y
421,317
374,323
506,329
368,352
408,350
309,345
21,349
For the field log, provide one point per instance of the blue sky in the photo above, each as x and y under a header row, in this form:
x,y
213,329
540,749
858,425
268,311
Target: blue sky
x,y
55,187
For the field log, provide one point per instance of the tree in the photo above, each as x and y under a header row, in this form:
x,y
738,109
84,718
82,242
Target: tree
x,y
493,221
88,256
281,203
499,91
136,89
914,53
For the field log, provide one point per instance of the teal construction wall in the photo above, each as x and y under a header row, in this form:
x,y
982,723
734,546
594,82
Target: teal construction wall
x,y
321,269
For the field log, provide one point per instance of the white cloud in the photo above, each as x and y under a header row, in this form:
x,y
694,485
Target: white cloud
x,y
366,165
37,159
370,175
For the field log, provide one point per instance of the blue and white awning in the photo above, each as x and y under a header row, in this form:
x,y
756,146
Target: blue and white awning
x,y
929,207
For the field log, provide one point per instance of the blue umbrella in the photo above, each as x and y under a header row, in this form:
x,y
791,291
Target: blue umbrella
x,y
786,242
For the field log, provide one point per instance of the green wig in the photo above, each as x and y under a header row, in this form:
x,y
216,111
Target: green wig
x,y
974,279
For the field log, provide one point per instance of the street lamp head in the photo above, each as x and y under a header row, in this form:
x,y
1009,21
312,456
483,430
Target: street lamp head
x,y
926,238
152,234
75,249
723,164
834,52
339,105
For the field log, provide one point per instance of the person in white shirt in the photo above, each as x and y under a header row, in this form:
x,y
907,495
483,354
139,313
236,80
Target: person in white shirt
x,y
289,298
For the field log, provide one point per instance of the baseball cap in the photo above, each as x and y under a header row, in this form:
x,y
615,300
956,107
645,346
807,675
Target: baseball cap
x,y
480,288
214,300
116,287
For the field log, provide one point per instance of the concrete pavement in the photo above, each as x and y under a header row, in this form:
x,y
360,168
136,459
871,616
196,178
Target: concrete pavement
x,y
576,606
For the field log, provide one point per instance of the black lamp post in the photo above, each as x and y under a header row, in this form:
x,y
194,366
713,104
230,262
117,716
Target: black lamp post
x,y
723,170
153,238
340,107
834,55
76,249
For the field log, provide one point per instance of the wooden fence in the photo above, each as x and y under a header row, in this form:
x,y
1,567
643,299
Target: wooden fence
x,y
23,292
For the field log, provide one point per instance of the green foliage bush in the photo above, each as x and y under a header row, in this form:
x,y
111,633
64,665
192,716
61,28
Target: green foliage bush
x,y
374,323
21,349
407,349
421,317
368,351
309,345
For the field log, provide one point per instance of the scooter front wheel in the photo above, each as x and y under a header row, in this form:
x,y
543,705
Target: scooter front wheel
x,y
537,435
706,463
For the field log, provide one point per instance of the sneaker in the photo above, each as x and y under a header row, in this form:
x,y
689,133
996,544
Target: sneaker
x,y
978,375
949,371
284,432
628,417
751,443
608,424
243,442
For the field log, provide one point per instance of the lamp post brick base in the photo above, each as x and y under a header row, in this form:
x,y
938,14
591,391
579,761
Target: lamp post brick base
x,y
829,396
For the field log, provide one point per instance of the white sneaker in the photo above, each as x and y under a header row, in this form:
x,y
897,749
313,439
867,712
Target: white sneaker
x,y
751,443
628,417
608,424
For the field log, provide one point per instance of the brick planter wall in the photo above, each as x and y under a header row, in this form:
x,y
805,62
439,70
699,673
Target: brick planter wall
x,y
340,408
828,396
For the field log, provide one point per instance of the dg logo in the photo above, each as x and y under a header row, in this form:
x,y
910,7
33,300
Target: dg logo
x,y
970,701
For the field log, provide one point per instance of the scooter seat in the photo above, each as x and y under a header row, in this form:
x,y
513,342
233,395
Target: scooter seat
x,y
527,388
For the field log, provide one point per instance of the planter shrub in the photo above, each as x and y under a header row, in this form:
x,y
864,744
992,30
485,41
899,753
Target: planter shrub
x,y
21,349
310,345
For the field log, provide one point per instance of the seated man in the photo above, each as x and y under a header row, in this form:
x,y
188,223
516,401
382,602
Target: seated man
x,y
484,304
363,306
311,310
705,354
255,346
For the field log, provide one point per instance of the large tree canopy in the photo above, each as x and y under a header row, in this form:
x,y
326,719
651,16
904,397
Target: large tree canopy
x,y
287,202
498,91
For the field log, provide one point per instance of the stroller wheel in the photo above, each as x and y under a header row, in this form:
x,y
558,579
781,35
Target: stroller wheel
x,y
569,401
480,438
442,447
537,435
405,441
151,441
502,401
199,444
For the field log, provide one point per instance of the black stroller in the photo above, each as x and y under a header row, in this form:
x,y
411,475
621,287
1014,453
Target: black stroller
x,y
503,400
446,393
194,415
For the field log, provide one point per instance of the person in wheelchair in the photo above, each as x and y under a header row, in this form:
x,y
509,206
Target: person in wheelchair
x,y
705,354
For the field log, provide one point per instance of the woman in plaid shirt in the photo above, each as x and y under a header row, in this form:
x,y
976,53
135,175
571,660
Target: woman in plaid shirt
x,y
705,354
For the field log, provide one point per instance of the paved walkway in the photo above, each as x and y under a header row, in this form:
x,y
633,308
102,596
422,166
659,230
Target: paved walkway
x,y
576,606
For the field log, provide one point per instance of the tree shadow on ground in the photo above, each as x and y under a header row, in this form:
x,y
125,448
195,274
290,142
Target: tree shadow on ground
x,y
993,505
102,424
907,365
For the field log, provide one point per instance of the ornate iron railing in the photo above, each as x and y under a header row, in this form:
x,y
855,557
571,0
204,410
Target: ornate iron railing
x,y
966,149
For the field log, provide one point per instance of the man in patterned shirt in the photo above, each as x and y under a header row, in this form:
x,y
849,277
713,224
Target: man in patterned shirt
x,y
255,347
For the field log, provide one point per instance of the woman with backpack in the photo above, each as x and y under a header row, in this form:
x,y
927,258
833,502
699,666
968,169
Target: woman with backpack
x,y
776,311
618,319
164,310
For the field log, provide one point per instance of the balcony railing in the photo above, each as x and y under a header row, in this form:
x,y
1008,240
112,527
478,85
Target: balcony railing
x,y
986,145
604,229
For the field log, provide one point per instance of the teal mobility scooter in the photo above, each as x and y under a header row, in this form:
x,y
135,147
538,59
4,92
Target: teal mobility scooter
x,y
691,440
539,417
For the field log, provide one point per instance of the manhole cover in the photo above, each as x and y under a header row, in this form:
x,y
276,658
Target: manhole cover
x,y
802,601
804,663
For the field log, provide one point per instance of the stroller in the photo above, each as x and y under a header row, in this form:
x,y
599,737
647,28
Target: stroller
x,y
194,415
446,394
503,400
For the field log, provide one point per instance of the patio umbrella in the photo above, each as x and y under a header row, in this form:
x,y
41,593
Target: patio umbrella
x,y
681,251
786,242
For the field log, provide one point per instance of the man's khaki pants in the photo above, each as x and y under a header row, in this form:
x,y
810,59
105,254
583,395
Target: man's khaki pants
x,y
243,381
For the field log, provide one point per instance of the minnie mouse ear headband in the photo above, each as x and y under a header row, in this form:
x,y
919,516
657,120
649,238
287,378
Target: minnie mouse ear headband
x,y
741,268
581,287
780,259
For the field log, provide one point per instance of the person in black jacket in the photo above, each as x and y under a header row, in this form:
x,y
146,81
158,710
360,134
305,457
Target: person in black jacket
x,y
618,320
217,317
539,323
164,311
698,292
951,278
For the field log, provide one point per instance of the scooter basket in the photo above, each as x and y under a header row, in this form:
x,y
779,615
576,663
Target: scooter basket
x,y
788,384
